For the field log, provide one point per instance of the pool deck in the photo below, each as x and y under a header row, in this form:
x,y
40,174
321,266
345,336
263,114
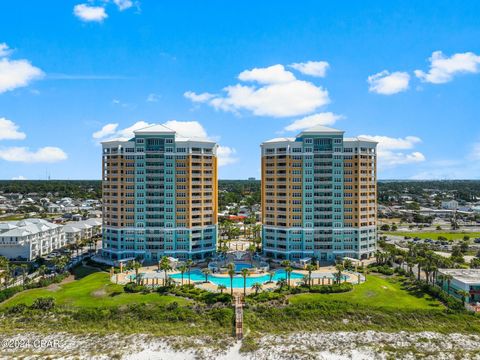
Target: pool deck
x,y
322,276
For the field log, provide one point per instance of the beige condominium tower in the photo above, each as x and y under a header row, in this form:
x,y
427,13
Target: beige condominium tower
x,y
319,196
159,196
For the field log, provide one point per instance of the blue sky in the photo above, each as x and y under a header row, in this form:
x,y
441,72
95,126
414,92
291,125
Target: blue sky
x,y
407,75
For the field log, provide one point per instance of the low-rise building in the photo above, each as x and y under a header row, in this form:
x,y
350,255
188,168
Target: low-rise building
x,y
450,205
30,238
459,280
85,229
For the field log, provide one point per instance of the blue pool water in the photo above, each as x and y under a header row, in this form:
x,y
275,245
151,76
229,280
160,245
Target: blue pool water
x,y
197,275
240,266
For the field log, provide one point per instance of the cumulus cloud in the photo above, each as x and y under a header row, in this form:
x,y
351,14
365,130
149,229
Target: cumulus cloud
x,y
277,93
20,177
48,154
443,68
153,97
9,130
270,75
200,98
326,119
389,150
123,4
108,129
226,156
89,13
312,68
187,128
17,73
4,50
191,129
387,83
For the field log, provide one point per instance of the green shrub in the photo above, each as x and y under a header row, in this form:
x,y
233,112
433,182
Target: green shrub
x,y
132,287
331,289
9,292
43,303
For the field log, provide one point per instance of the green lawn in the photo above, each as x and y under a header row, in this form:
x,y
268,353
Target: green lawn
x,y
434,234
376,291
90,291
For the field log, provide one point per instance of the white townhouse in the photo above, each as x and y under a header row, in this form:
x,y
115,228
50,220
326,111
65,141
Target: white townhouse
x,y
86,229
30,238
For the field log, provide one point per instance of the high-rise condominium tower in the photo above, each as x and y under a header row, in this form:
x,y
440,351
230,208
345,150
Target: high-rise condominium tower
x,y
159,196
319,196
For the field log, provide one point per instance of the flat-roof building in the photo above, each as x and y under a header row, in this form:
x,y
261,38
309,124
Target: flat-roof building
x,y
319,196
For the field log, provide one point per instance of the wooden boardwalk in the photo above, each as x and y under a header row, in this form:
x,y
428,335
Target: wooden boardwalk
x,y
238,317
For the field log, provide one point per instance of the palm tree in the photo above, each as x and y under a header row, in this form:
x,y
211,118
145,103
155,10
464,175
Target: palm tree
x,y
310,268
206,272
420,262
165,267
182,270
245,273
137,266
449,279
338,275
271,274
231,273
252,249
221,287
257,287
464,294
281,283
42,270
24,268
189,266
288,271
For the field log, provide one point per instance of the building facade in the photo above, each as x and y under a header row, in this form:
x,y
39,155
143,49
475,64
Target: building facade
x,y
159,196
30,238
319,196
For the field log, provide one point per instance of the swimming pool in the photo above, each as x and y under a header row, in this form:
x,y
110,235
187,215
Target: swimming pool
x,y
198,276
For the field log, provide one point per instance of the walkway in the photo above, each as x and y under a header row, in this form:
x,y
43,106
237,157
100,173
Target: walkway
x,y
238,317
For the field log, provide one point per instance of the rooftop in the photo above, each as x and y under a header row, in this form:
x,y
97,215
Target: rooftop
x,y
320,129
466,276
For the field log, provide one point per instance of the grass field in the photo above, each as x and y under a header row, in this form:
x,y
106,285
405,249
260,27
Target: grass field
x,y
93,289
434,234
376,291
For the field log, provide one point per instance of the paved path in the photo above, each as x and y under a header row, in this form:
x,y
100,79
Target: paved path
x,y
238,317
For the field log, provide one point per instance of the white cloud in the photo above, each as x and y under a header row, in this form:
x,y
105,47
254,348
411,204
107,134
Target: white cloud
x,y
226,156
153,97
89,13
326,119
123,4
108,129
443,68
193,129
274,74
4,50
203,97
187,128
388,150
9,130
279,94
312,68
20,177
17,73
387,83
48,154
